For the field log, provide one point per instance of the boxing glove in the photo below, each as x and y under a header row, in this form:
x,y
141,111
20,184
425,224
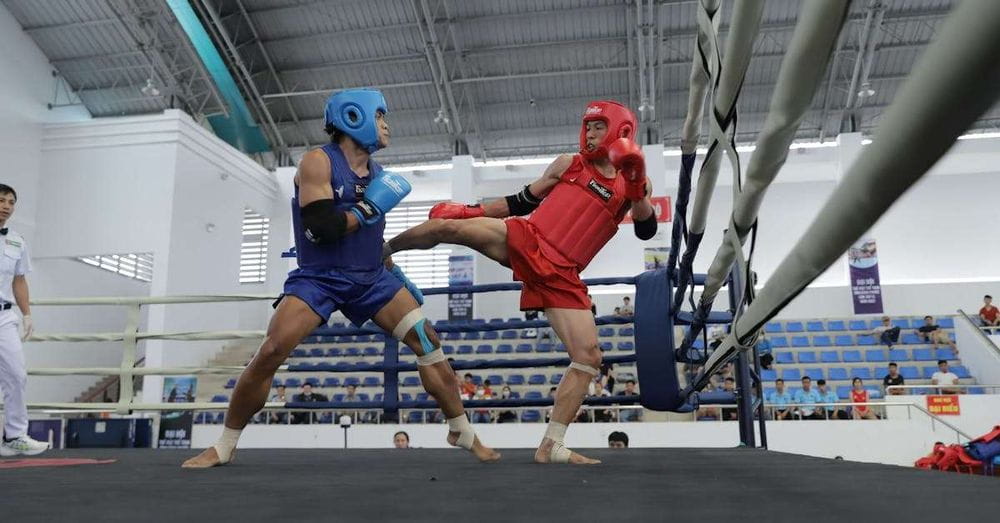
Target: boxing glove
x,y
456,211
627,157
383,193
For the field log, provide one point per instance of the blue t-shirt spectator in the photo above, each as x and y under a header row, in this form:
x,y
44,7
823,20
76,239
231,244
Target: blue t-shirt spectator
x,y
830,397
780,399
806,397
763,347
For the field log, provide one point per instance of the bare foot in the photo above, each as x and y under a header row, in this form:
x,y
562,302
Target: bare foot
x,y
207,459
482,452
545,450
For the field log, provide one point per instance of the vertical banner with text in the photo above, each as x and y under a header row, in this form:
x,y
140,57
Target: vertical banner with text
x,y
866,289
461,271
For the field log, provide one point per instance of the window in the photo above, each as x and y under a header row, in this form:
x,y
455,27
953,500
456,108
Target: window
x,y
137,266
427,268
253,251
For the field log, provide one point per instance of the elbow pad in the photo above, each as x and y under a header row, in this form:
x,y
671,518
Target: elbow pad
x,y
645,229
522,203
322,222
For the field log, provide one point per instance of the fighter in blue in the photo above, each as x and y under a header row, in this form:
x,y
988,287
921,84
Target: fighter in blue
x,y
338,214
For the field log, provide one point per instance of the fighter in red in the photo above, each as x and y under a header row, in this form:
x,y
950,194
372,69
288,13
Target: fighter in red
x,y
574,208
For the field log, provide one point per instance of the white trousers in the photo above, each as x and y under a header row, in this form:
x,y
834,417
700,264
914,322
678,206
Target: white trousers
x,y
13,376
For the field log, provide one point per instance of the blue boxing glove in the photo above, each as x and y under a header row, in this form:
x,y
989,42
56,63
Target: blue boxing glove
x,y
410,286
383,193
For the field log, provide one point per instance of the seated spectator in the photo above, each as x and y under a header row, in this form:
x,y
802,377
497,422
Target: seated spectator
x,y
932,333
506,416
633,414
893,378
617,440
808,397
764,352
608,375
627,311
780,399
860,395
944,377
307,396
483,392
597,390
886,333
618,311
546,333
278,396
401,440
468,388
729,413
989,315
705,412
827,395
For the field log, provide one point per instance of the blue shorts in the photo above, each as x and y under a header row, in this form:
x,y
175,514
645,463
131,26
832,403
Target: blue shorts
x,y
358,294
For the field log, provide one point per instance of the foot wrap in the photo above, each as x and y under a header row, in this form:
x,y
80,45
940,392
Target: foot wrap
x,y
227,443
559,453
466,435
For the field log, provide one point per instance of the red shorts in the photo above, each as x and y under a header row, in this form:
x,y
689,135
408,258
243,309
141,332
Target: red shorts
x,y
550,280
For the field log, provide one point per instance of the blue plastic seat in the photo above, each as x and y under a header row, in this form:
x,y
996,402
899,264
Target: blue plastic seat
x,y
491,335
531,416
773,327
300,353
352,351
909,372
333,352
793,326
844,392
807,357
448,349
464,349
844,340
837,374
898,355
816,373
927,372
331,382
903,323
523,348
372,351
314,381
536,379
791,374
508,335
924,354
411,381
800,341
292,382
875,356
363,396
626,331
851,356
496,380
626,345
783,357
528,334
544,347
911,339
946,354
874,323
371,381
505,348
606,346
472,336
423,396
452,336
864,339
415,416
231,383
220,398
835,325
822,341
815,326
857,325
352,380
484,349
555,379
605,332
533,395
960,371
946,323
515,379
779,342
477,379
403,396
768,374
316,352
880,372
275,382
861,372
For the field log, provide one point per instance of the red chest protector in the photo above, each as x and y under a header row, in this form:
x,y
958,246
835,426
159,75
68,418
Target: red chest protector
x,y
582,212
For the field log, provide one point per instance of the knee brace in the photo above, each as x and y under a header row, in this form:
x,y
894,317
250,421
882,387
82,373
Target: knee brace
x,y
415,320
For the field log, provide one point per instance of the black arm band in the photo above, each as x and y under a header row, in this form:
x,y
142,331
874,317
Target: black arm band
x,y
645,229
323,222
522,203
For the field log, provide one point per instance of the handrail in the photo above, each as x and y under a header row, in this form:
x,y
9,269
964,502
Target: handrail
x,y
955,386
979,331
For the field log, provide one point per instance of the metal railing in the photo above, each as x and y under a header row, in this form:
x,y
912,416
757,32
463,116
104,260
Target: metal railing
x,y
903,388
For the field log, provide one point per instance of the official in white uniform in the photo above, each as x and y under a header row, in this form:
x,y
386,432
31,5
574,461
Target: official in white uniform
x,y
14,265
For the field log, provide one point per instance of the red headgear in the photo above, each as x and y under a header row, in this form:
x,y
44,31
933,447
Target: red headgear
x,y
620,120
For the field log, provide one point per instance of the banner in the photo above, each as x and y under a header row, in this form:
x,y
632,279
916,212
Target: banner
x,y
461,271
175,426
866,289
662,208
655,257
943,405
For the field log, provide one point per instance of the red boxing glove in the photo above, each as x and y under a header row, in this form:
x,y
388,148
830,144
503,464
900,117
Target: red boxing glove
x,y
627,157
456,211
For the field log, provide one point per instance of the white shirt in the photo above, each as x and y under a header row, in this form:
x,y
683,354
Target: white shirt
x,y
14,261
945,378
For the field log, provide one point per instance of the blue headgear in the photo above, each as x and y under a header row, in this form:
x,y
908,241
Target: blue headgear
x,y
353,113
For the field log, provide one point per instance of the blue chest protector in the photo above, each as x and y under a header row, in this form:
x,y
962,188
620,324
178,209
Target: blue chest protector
x,y
360,250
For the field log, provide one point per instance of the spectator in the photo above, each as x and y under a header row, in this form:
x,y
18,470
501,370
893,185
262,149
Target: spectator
x,y
886,333
828,396
617,440
633,414
597,390
780,399
989,314
546,333
279,396
944,377
307,396
401,440
608,371
808,397
893,378
618,311
593,306
506,416
860,395
764,352
468,387
729,413
931,332
627,310
483,392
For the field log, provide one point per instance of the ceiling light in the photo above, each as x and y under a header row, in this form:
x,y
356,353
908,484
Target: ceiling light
x,y
441,117
866,91
149,89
